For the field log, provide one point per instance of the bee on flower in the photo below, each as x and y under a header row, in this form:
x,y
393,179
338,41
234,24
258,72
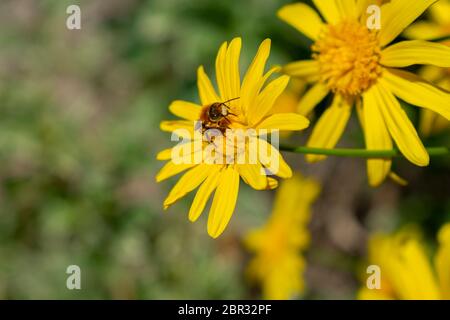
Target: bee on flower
x,y
358,67
208,128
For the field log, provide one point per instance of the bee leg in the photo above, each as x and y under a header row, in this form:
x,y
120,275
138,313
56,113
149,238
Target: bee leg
x,y
228,120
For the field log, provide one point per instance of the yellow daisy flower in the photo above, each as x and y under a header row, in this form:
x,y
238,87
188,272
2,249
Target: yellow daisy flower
x,y
278,264
248,105
406,272
437,26
358,67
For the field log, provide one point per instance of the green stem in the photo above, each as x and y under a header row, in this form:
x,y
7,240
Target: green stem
x,y
361,153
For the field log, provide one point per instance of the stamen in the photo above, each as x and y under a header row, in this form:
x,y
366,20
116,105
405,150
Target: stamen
x,y
349,55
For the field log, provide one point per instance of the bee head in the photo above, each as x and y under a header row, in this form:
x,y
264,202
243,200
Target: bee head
x,y
217,111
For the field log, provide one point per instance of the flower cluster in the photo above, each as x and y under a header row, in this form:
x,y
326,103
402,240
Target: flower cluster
x,y
357,66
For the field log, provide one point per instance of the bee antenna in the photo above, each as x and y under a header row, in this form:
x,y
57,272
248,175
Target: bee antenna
x,y
225,103
231,100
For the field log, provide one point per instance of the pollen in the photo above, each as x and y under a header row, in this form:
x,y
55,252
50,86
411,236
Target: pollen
x,y
348,54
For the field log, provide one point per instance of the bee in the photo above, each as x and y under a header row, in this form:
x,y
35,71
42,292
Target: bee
x,y
215,116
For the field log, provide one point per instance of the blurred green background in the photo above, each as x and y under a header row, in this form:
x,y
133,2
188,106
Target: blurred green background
x,y
79,131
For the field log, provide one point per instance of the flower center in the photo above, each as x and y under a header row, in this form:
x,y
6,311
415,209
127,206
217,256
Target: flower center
x,y
348,54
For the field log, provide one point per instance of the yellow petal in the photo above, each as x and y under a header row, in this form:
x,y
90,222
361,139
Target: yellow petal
x,y
377,138
303,18
233,79
347,8
312,98
272,183
361,8
182,128
220,70
287,101
251,106
267,152
203,194
424,30
426,123
445,84
185,110
399,14
431,123
329,10
440,13
330,127
284,121
442,260
302,68
188,182
406,53
266,99
400,127
252,81
224,202
397,179
186,152
227,69
253,175
165,154
433,74
170,169
408,261
206,90
416,91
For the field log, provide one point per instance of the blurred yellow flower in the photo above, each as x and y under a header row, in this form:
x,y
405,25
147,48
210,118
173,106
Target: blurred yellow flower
x,y
358,67
406,272
278,264
438,26
249,109
431,122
